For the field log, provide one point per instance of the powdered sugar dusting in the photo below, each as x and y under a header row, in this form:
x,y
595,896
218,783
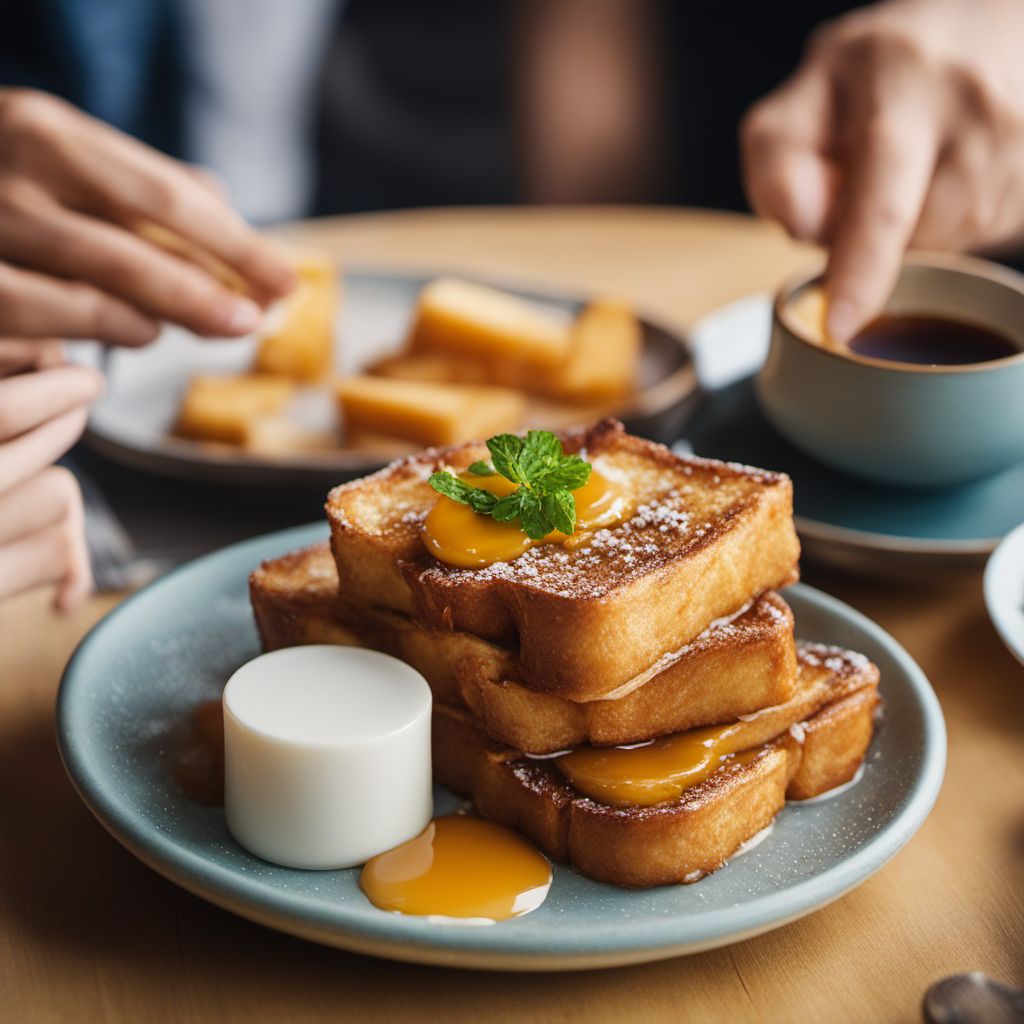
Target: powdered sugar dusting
x,y
599,561
836,659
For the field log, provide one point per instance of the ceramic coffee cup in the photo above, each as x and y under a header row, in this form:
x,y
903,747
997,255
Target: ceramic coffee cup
x,y
902,423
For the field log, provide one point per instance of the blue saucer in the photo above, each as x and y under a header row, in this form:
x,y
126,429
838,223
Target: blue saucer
x,y
964,521
840,518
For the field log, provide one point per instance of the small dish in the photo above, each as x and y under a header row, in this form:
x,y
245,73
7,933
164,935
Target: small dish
x,y
904,423
175,643
1004,590
842,521
131,423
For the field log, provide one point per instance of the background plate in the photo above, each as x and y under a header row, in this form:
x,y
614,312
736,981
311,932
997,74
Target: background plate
x,y
131,423
1004,591
142,668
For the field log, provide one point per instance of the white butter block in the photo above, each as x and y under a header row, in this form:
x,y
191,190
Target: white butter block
x,y
326,755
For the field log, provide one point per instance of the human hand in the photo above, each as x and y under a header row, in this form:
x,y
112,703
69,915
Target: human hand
x,y
74,195
903,127
42,413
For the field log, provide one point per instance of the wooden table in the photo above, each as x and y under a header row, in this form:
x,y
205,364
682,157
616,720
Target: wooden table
x,y
87,933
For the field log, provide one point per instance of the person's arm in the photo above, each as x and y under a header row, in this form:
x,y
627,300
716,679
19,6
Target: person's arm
x,y
74,196
903,127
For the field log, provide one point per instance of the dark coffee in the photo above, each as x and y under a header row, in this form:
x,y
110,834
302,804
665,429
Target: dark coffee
x,y
931,341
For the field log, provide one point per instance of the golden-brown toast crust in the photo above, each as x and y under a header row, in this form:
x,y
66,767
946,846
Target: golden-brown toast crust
x,y
294,600
704,537
733,668
375,524
679,840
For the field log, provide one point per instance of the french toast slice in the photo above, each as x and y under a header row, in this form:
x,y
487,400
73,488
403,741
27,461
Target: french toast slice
x,y
734,668
704,536
679,840
511,337
295,599
426,413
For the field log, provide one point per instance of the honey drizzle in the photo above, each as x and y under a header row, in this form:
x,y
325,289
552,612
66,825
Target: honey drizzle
x,y
455,534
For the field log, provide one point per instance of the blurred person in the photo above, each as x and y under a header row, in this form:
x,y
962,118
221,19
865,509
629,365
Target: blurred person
x,y
73,192
901,125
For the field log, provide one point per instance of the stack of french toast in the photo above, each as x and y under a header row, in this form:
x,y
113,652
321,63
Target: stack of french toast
x,y
630,696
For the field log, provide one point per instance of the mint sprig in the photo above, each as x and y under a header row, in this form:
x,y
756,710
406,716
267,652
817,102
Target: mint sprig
x,y
545,477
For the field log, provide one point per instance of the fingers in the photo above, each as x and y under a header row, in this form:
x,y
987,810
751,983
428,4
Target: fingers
x,y
974,199
51,353
36,503
27,454
18,354
52,554
77,583
210,180
784,141
38,233
134,182
890,163
34,306
28,400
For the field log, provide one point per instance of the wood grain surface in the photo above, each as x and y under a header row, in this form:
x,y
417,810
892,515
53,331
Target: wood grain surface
x,y
89,934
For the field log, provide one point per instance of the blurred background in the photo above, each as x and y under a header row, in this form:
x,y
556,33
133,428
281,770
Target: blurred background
x,y
314,108
319,107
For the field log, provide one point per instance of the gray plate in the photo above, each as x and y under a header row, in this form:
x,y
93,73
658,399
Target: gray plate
x,y
176,642
132,422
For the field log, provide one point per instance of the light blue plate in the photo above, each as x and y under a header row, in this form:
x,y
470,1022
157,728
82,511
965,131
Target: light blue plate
x,y
176,642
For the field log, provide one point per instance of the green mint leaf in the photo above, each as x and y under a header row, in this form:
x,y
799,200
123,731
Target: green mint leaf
x,y
508,507
545,477
536,524
506,451
447,483
482,501
569,475
560,509
542,452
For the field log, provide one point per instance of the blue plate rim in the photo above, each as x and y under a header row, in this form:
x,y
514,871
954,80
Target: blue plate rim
x,y
581,947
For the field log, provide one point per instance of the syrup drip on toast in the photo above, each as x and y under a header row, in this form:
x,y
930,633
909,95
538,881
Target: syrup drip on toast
x,y
459,867
455,534
651,773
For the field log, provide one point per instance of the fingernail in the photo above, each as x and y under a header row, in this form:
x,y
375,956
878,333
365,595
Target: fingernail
x,y
243,316
841,320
